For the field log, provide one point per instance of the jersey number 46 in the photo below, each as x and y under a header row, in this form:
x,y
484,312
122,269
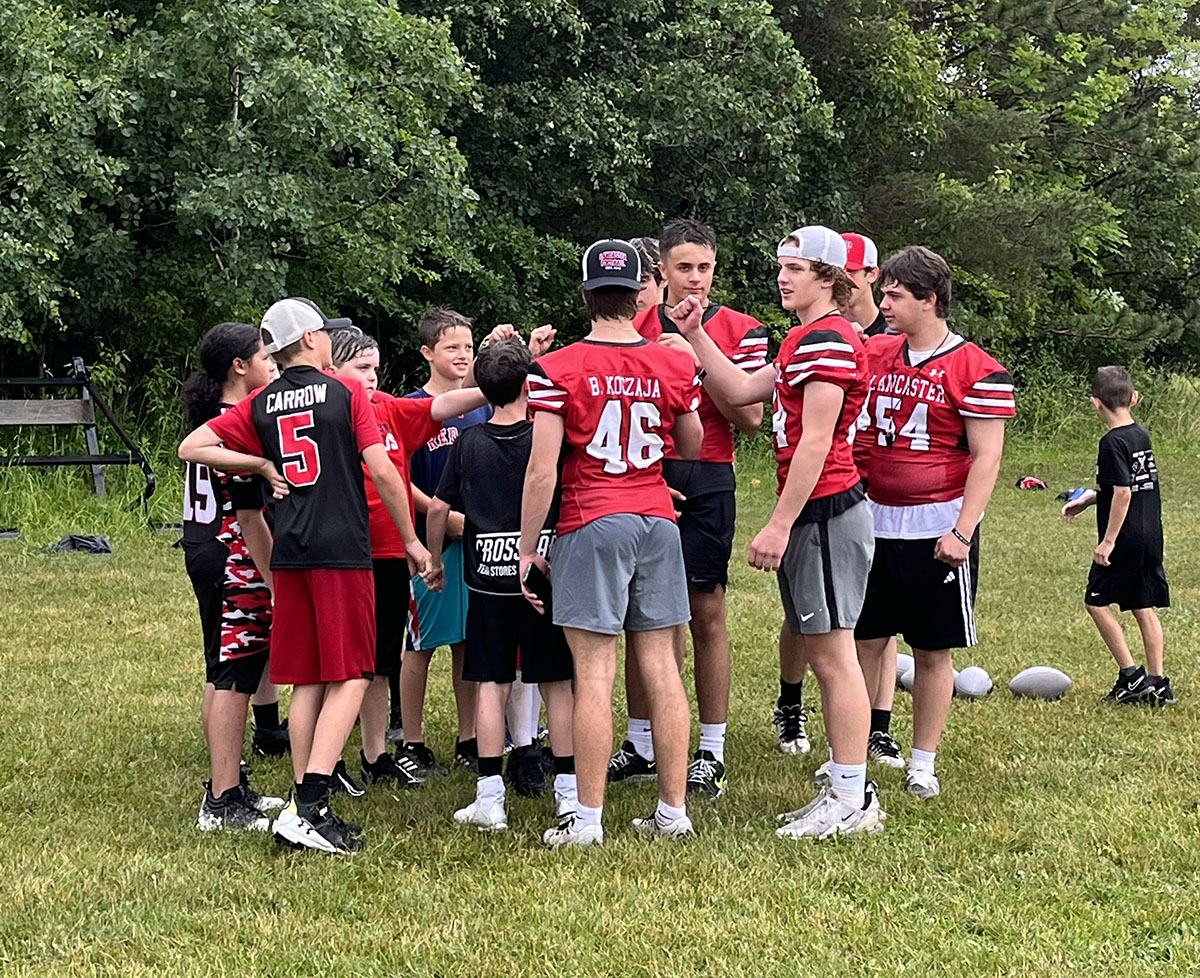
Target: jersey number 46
x,y
640,447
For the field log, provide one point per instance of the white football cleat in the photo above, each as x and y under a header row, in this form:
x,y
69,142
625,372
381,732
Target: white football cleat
x,y
833,816
569,832
680,828
922,783
823,776
801,812
790,726
486,814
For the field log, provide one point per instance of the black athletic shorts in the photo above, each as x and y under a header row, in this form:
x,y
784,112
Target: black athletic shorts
x,y
913,594
499,625
205,565
1129,588
707,519
393,593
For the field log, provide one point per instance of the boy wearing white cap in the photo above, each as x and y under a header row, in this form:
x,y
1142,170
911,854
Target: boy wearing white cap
x,y
820,537
309,434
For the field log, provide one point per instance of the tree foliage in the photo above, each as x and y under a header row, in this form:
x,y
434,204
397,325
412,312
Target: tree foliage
x,y
169,165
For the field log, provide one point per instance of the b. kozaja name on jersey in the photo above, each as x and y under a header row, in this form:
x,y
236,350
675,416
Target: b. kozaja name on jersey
x,y
297,397
611,386
498,554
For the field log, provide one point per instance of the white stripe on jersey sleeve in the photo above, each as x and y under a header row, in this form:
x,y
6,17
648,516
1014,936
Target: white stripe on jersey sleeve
x,y
804,348
821,362
998,402
981,386
754,341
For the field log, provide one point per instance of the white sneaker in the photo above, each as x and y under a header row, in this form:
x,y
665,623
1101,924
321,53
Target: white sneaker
x,y
486,814
569,832
834,816
801,812
681,828
922,783
823,776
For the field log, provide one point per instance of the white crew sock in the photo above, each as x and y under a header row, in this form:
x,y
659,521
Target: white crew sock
x,y
535,709
641,737
922,760
666,814
566,794
849,781
490,788
712,739
588,816
518,711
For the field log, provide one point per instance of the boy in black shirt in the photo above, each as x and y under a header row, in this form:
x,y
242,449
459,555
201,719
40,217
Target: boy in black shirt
x,y
484,479
1127,568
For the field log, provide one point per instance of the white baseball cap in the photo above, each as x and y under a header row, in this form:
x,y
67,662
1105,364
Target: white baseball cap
x,y
289,319
817,243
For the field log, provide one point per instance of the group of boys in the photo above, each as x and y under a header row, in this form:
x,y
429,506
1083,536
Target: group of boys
x,y
613,511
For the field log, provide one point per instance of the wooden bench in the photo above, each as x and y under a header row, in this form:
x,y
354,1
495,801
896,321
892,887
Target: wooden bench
x,y
73,412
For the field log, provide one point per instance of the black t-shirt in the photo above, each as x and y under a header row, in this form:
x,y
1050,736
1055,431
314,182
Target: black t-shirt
x,y
313,427
879,326
484,479
209,497
1126,459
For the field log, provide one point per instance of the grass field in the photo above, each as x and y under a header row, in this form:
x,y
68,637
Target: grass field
x,y
1067,840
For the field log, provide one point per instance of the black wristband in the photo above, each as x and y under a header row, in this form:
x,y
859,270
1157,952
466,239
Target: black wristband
x,y
958,536
701,375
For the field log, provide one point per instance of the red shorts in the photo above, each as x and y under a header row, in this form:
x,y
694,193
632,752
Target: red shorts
x,y
323,628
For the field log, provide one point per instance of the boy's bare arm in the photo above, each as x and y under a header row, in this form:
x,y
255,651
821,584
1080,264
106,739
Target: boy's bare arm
x,y
452,404
541,479
1122,496
688,434
203,447
435,527
391,490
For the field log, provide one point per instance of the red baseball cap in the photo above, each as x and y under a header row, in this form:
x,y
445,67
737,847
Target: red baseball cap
x,y
860,252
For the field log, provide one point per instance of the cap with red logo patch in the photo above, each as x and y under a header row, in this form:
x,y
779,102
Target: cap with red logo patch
x,y
612,262
860,252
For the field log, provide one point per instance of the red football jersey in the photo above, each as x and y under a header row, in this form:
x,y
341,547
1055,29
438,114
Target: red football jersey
x,y
740,337
830,351
914,419
618,401
405,424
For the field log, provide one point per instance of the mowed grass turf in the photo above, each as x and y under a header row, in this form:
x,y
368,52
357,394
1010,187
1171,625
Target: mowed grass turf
x,y
1067,840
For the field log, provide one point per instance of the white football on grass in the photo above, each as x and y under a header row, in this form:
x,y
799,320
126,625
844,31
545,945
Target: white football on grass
x,y
904,662
1041,683
973,683
906,681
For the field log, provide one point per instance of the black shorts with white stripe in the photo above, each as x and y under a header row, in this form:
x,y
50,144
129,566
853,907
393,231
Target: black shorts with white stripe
x,y
910,593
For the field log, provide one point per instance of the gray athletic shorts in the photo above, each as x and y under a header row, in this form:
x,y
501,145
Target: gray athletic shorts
x,y
823,576
620,572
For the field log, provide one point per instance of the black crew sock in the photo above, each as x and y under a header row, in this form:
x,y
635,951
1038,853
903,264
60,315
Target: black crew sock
x,y
1129,671
266,717
468,746
490,767
564,765
790,694
314,789
881,721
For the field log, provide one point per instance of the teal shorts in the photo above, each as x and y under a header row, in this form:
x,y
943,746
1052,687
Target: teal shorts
x,y
440,618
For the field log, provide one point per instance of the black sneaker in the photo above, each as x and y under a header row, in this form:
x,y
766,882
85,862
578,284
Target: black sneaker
x,y
706,774
271,742
229,813
1129,689
343,784
395,733
883,749
790,728
526,773
628,765
466,754
417,759
261,803
385,768
1159,692
315,827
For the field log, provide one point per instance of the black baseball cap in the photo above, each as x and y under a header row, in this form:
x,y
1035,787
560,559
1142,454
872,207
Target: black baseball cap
x,y
612,262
